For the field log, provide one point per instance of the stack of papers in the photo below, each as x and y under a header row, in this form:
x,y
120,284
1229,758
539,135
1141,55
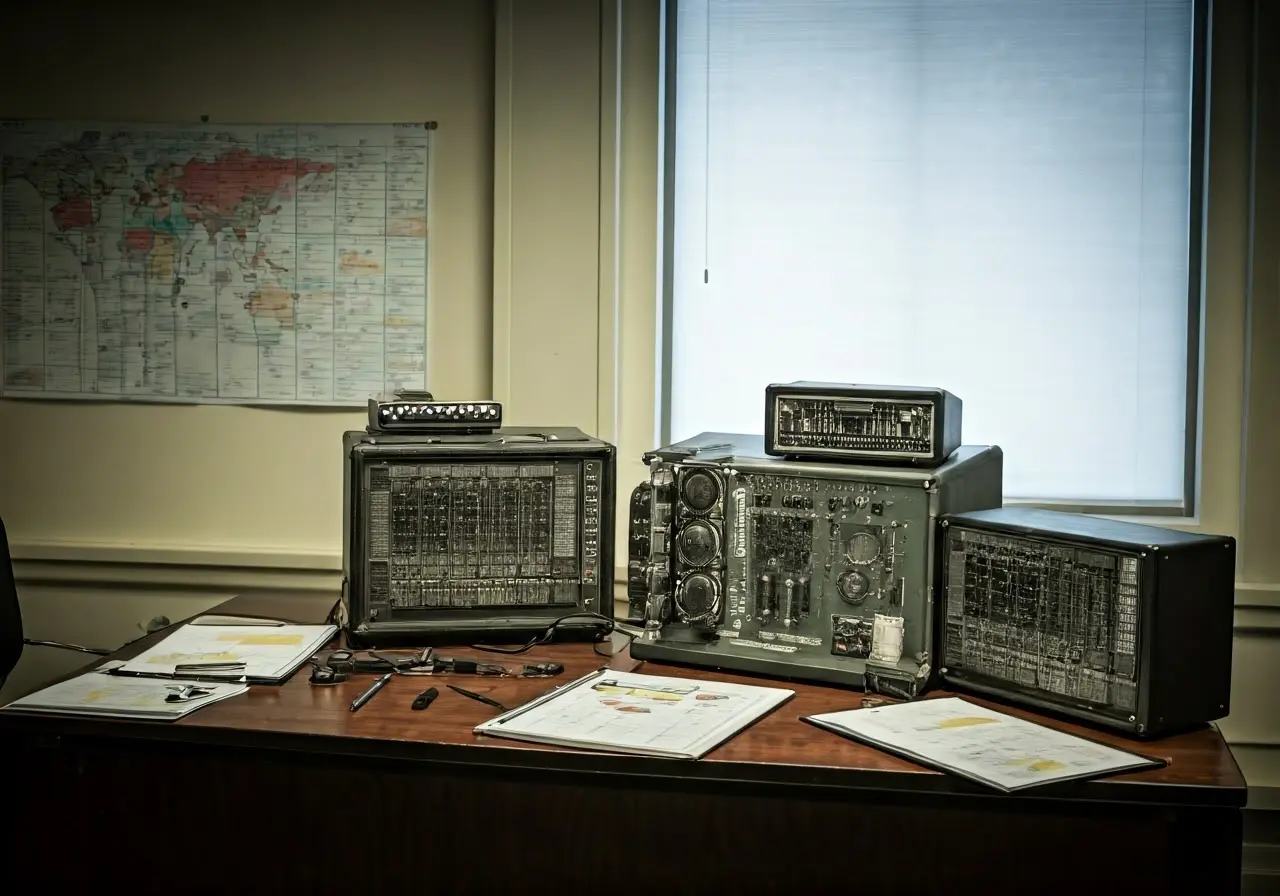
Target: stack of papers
x,y
96,694
259,652
645,715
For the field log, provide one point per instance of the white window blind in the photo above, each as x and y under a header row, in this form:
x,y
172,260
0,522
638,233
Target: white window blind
x,y
989,197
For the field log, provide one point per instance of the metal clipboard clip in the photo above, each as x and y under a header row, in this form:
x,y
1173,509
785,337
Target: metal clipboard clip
x,y
184,692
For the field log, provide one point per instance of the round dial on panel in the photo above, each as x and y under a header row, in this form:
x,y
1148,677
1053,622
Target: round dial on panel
x,y
700,491
698,544
864,548
853,586
698,596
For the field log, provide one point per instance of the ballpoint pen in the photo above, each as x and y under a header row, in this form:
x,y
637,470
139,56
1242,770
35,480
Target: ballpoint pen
x,y
368,695
209,668
474,696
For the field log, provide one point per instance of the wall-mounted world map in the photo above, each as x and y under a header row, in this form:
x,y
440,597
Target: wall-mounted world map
x,y
247,264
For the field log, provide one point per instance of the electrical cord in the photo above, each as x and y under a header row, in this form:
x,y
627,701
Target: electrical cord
x,y
323,673
96,651
605,627
158,623
339,665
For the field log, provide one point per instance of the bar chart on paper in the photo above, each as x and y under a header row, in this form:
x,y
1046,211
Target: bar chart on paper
x,y
266,654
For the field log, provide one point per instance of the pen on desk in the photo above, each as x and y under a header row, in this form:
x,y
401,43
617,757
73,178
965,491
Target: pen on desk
x,y
474,696
182,668
184,676
368,695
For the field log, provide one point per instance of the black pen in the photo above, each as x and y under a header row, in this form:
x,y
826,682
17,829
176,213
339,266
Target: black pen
x,y
368,695
474,696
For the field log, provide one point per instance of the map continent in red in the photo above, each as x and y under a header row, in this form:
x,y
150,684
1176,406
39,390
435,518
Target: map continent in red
x,y
220,186
73,213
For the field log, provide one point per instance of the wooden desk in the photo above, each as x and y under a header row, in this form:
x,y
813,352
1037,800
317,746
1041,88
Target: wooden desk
x,y
284,790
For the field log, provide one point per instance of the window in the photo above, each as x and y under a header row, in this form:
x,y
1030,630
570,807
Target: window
x,y
998,197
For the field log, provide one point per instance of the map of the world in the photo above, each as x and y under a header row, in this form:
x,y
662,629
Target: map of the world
x,y
214,263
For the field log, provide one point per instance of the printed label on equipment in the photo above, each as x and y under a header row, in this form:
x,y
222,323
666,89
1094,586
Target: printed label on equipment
x,y
777,648
727,633
739,530
788,638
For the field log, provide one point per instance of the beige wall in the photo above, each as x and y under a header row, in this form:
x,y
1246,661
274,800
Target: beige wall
x,y
544,292
232,479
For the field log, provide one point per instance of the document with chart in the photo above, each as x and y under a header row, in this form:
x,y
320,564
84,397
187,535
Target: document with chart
x,y
992,748
257,653
645,715
276,264
96,694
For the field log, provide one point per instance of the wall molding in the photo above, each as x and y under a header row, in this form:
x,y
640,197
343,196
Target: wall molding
x,y
289,557
1258,608
1258,594
112,565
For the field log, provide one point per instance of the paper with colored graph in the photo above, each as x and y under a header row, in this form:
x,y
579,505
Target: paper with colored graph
x,y
978,743
645,715
268,653
95,694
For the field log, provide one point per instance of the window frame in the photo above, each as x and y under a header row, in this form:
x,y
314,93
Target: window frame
x,y
1198,232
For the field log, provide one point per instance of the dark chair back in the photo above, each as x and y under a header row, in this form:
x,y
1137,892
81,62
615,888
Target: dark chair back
x,y
10,614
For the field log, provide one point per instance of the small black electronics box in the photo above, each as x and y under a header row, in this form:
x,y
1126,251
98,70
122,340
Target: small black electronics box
x,y
407,411
902,425
465,537
1123,626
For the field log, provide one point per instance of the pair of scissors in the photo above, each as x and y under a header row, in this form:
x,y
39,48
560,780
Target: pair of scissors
x,y
184,692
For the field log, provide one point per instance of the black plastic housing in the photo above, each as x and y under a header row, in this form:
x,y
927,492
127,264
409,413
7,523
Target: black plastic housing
x,y
1182,593
371,620
873,404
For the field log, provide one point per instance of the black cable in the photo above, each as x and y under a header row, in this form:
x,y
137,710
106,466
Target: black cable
x,y
606,626
96,651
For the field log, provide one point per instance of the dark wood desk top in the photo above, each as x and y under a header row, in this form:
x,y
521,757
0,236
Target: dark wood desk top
x,y
779,750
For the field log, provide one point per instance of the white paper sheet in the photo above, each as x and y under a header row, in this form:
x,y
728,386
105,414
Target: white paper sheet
x,y
96,694
1000,750
642,714
269,653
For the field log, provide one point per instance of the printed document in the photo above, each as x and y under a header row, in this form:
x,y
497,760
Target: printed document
x,y
1001,751
262,654
646,715
96,694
